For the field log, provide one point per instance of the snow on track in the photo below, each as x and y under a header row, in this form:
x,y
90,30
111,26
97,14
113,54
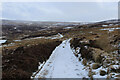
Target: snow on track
x,y
62,64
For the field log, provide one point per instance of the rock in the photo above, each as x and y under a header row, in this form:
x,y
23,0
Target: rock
x,y
95,66
79,58
76,54
84,62
118,76
107,62
114,68
77,50
97,55
102,72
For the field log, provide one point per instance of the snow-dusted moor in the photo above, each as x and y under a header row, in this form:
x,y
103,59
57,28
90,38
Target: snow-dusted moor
x,y
60,41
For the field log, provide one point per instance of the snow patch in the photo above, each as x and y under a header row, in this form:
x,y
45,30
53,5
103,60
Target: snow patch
x,y
58,36
116,66
110,29
2,41
68,27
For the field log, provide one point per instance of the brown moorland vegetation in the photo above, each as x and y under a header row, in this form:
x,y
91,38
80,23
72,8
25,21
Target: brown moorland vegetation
x,y
20,62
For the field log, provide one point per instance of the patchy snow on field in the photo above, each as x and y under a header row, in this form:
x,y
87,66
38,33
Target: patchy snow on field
x,y
17,40
2,41
68,27
63,64
110,29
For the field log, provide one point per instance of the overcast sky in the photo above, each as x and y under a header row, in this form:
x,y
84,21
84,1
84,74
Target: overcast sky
x,y
60,11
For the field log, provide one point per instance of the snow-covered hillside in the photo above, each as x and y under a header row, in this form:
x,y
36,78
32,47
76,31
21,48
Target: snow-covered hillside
x,y
63,64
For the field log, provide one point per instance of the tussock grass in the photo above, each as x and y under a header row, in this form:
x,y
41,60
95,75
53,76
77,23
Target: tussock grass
x,y
20,61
